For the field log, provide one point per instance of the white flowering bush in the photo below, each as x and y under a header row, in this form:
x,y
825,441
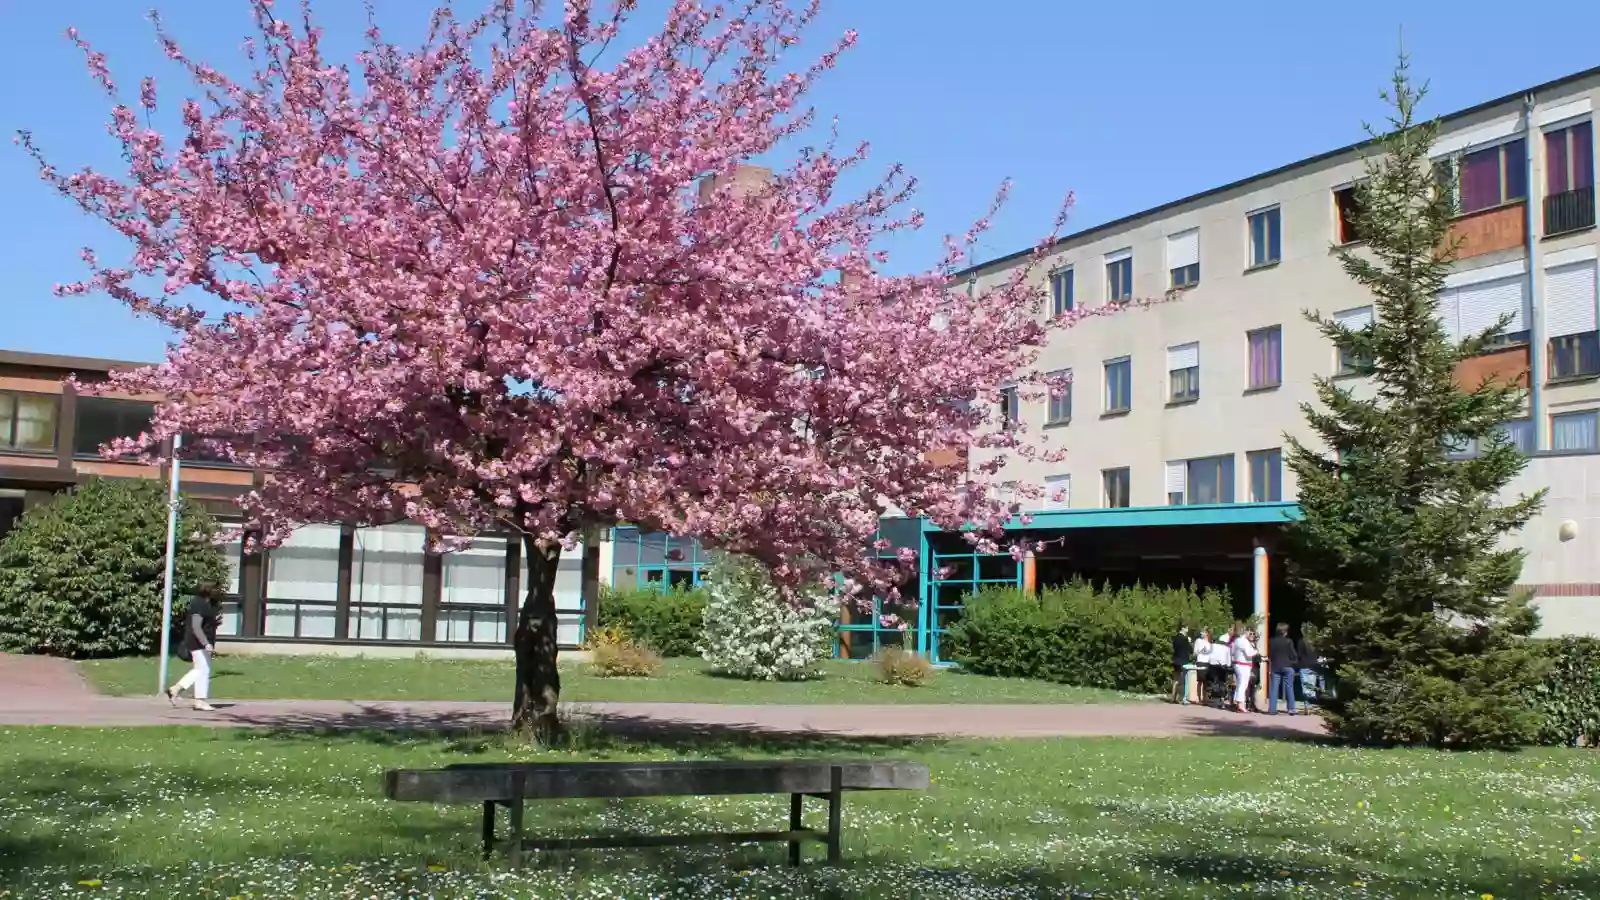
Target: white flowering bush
x,y
751,631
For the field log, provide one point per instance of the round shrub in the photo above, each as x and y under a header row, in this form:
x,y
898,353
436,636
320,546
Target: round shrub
x,y
667,622
81,576
752,632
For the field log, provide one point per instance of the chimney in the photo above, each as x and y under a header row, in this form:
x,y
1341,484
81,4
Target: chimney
x,y
745,180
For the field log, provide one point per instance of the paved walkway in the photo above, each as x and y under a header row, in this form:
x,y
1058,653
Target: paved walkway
x,y
39,691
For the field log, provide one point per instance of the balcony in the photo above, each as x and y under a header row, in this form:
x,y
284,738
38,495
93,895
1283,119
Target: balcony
x,y
1569,211
1506,365
1489,230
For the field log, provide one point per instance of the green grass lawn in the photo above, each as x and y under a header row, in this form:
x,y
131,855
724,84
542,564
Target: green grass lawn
x,y
197,813
330,678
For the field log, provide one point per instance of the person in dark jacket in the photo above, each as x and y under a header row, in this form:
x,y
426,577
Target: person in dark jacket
x,y
1284,662
1182,656
199,640
1309,670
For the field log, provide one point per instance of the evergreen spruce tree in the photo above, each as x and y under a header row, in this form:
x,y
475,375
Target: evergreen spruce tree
x,y
1401,550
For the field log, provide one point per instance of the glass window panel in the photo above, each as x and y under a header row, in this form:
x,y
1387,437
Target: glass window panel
x,y
388,565
1575,431
317,621
476,574
306,565
28,422
1480,180
1514,157
279,620
100,421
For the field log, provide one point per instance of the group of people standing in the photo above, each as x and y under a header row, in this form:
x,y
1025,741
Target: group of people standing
x,y
1226,664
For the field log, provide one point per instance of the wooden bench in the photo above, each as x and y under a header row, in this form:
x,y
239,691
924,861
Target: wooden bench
x,y
511,784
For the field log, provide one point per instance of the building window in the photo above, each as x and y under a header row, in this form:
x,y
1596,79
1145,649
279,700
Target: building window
x,y
28,422
1266,237
1569,178
1493,176
1061,301
1266,475
472,593
1183,372
303,584
1519,434
1119,385
1116,483
1203,481
1350,362
1183,258
101,421
1575,431
1266,357
1572,355
386,583
1348,210
1119,277
1057,491
1060,408
1010,410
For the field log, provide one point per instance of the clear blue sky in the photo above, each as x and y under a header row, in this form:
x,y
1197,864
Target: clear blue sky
x,y
1129,105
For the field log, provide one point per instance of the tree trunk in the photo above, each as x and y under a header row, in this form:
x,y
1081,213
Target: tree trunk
x,y
538,683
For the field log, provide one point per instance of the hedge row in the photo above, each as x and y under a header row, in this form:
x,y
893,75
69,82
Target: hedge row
x,y
1079,635
1567,700
668,622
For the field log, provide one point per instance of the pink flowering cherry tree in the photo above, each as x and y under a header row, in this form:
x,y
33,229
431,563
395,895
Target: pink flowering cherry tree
x,y
485,285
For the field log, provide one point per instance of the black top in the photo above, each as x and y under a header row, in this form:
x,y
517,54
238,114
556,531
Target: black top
x,y
1182,650
1280,650
209,614
1305,653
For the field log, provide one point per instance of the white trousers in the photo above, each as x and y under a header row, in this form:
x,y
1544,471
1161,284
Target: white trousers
x,y
1241,681
198,676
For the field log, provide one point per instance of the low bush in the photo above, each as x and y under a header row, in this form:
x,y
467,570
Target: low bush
x,y
900,667
81,576
613,655
1567,699
666,621
1075,634
752,631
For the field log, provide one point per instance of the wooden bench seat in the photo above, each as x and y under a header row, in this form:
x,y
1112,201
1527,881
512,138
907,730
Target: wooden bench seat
x,y
512,784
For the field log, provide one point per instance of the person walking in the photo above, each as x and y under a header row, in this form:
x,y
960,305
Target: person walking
x,y
1244,661
1309,669
1202,663
1283,661
1182,656
1218,665
199,646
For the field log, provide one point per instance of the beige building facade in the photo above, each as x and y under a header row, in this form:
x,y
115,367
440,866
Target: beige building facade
x,y
1187,402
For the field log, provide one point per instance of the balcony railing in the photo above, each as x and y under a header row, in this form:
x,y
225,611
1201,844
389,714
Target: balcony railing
x,y
1569,211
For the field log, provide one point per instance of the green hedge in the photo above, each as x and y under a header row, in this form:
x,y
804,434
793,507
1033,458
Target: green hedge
x,y
668,622
1075,634
1568,698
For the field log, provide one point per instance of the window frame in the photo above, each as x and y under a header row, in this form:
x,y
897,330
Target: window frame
x,y
1010,407
1580,347
1593,415
1048,501
1345,230
1123,477
1566,133
1191,378
1058,409
1271,230
1457,162
90,403
1273,475
1060,306
1126,362
1124,267
10,424
1250,346
1225,487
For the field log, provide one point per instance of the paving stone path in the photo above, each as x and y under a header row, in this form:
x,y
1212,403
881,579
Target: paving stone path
x,y
41,691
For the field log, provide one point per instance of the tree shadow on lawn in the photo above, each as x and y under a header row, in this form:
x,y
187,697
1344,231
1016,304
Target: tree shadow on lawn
x,y
1399,875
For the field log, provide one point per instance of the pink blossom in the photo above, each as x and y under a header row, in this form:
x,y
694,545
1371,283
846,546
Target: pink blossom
x,y
484,291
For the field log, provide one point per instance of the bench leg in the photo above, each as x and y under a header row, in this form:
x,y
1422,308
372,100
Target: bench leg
x,y
488,829
796,803
835,803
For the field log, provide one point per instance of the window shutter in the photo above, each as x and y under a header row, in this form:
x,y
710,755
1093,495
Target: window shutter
x,y
1178,477
1481,305
1183,248
1183,356
1354,319
1449,314
1119,255
1569,297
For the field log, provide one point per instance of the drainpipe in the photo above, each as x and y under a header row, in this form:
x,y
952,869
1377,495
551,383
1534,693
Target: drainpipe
x,y
1536,344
